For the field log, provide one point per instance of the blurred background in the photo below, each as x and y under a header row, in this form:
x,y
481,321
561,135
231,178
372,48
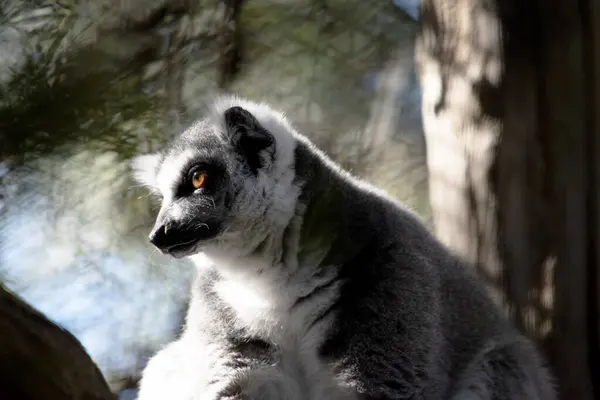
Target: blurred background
x,y
85,85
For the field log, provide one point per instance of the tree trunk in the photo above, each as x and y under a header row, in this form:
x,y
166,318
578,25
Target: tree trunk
x,y
510,111
39,360
230,43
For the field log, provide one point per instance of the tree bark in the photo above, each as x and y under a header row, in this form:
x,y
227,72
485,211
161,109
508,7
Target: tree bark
x,y
230,42
510,100
40,360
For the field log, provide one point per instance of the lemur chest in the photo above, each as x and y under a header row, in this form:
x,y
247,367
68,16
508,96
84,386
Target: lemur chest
x,y
282,312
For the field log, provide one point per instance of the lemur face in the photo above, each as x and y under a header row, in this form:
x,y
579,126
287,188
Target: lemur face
x,y
207,180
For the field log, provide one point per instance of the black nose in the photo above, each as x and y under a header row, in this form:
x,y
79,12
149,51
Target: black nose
x,y
172,238
159,237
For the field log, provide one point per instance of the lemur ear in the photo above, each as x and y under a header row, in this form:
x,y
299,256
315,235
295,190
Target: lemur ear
x,y
144,168
249,137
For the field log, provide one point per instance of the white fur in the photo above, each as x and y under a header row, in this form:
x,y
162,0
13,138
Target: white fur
x,y
182,371
164,179
144,170
263,303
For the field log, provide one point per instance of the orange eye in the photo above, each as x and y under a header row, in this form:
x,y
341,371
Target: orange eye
x,y
199,179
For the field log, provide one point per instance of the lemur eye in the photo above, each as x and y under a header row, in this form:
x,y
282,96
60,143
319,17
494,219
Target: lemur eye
x,y
199,179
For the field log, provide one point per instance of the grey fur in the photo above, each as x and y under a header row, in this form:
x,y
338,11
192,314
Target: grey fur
x,y
314,285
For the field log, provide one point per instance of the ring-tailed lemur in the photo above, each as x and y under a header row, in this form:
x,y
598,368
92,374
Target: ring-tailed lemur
x,y
319,286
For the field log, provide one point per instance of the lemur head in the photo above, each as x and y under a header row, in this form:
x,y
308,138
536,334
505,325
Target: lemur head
x,y
225,183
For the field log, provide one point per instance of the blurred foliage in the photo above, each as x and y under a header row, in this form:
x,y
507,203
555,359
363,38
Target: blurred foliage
x,y
321,51
115,91
63,95
44,108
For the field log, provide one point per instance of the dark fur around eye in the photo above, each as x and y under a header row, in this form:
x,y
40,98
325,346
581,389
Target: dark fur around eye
x,y
215,173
